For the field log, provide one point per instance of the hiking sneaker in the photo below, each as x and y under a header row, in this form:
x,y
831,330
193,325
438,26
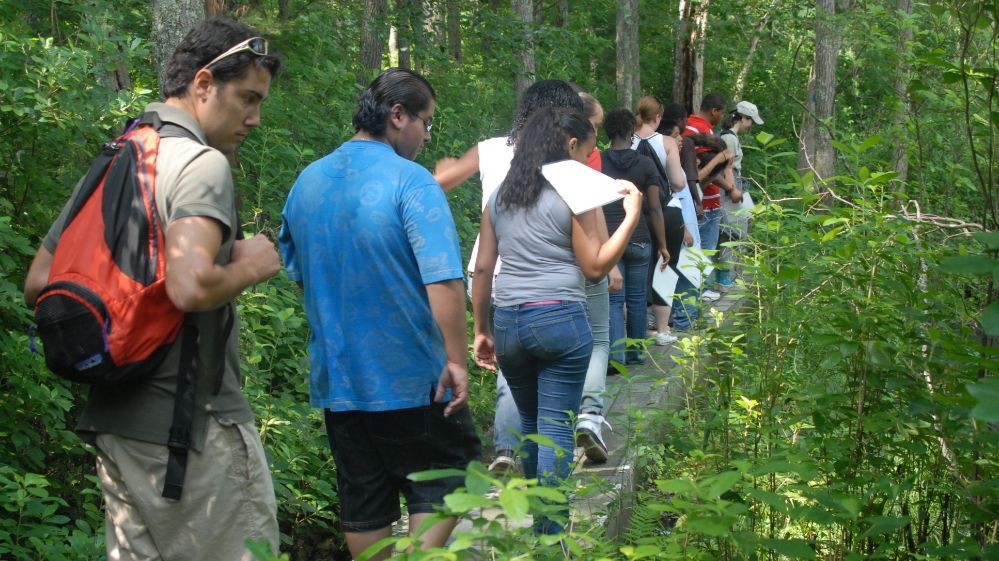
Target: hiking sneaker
x,y
503,463
663,339
724,279
710,296
588,436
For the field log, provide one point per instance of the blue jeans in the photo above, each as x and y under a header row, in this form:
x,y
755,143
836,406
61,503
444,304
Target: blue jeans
x,y
634,267
506,419
596,375
709,227
685,304
544,352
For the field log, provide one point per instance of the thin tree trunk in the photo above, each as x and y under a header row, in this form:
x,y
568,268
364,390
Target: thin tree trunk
x,y
821,156
754,42
404,31
900,154
215,8
372,40
562,13
454,30
172,19
683,60
699,39
627,75
116,78
283,10
525,14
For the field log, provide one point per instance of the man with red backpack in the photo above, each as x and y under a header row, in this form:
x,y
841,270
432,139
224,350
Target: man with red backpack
x,y
197,487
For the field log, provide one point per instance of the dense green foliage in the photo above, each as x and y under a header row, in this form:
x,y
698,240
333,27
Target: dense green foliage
x,y
849,414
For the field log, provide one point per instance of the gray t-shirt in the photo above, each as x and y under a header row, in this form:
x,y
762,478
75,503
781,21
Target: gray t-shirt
x,y
536,248
191,180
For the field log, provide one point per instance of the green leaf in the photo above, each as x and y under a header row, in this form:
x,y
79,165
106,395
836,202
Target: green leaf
x,y
986,394
722,482
514,503
883,524
968,265
547,493
463,502
990,239
795,549
764,138
432,474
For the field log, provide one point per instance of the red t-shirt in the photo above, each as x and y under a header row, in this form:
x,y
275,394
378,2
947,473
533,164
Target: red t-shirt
x,y
594,160
711,193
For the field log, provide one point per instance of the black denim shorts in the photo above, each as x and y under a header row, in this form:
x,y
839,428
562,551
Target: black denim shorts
x,y
374,451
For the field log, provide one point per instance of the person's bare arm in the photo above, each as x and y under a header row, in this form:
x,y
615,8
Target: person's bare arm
x,y
673,166
451,172
596,259
194,282
656,222
38,275
447,301
483,350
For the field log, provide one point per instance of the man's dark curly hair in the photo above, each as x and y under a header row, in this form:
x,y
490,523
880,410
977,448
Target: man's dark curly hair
x,y
208,40
619,123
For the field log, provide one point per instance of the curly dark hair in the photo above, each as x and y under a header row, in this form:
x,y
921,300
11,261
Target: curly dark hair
x,y
542,140
395,85
208,40
543,94
708,146
673,115
619,123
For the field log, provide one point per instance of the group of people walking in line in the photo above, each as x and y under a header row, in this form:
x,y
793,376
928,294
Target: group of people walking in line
x,y
368,235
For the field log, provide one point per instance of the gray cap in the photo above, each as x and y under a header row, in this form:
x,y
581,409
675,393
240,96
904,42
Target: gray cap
x,y
749,110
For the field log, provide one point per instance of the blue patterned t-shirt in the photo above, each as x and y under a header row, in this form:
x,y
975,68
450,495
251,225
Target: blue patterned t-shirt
x,y
365,230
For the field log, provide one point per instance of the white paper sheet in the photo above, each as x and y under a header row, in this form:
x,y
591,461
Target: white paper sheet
x,y
690,263
664,282
581,187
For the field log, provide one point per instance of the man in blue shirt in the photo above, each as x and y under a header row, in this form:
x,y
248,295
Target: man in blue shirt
x,y
369,236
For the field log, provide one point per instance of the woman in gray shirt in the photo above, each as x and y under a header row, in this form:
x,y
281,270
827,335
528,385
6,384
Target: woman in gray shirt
x,y
541,337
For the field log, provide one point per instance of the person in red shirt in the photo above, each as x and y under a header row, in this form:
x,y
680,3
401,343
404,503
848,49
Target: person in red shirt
x,y
711,113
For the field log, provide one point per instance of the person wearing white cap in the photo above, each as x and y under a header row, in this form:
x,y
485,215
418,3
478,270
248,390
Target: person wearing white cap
x,y
739,121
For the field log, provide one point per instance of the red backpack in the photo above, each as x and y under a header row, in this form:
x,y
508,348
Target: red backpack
x,y
104,317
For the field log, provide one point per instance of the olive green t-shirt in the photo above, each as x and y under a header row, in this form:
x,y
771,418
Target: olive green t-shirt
x,y
192,179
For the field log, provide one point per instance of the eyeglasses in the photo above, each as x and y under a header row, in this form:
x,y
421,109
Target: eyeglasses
x,y
427,123
256,45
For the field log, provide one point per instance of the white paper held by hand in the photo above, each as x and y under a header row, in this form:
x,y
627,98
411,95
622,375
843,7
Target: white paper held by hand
x,y
690,264
581,187
664,282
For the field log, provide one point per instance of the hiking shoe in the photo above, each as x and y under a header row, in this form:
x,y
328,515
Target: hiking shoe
x,y
588,437
724,279
663,339
710,296
503,463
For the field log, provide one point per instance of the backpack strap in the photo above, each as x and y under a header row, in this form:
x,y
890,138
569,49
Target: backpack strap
x,y
179,442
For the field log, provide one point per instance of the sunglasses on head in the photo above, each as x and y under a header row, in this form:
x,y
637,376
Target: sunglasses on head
x,y
256,45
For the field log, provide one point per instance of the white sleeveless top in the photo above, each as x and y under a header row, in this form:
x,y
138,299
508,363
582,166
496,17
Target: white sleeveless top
x,y
494,163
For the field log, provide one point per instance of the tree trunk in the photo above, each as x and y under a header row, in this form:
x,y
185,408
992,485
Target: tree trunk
x,y
562,13
628,76
172,19
283,10
820,157
433,25
698,39
900,155
525,14
454,30
403,17
111,70
740,81
683,58
215,8
372,40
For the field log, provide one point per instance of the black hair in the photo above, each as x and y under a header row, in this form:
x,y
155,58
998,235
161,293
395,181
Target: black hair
x,y
206,41
673,115
391,87
713,101
540,95
732,118
708,146
542,140
619,123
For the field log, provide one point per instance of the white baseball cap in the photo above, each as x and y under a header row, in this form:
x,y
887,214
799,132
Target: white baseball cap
x,y
749,110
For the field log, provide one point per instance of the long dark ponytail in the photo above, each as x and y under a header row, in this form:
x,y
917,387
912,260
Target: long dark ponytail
x,y
542,140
